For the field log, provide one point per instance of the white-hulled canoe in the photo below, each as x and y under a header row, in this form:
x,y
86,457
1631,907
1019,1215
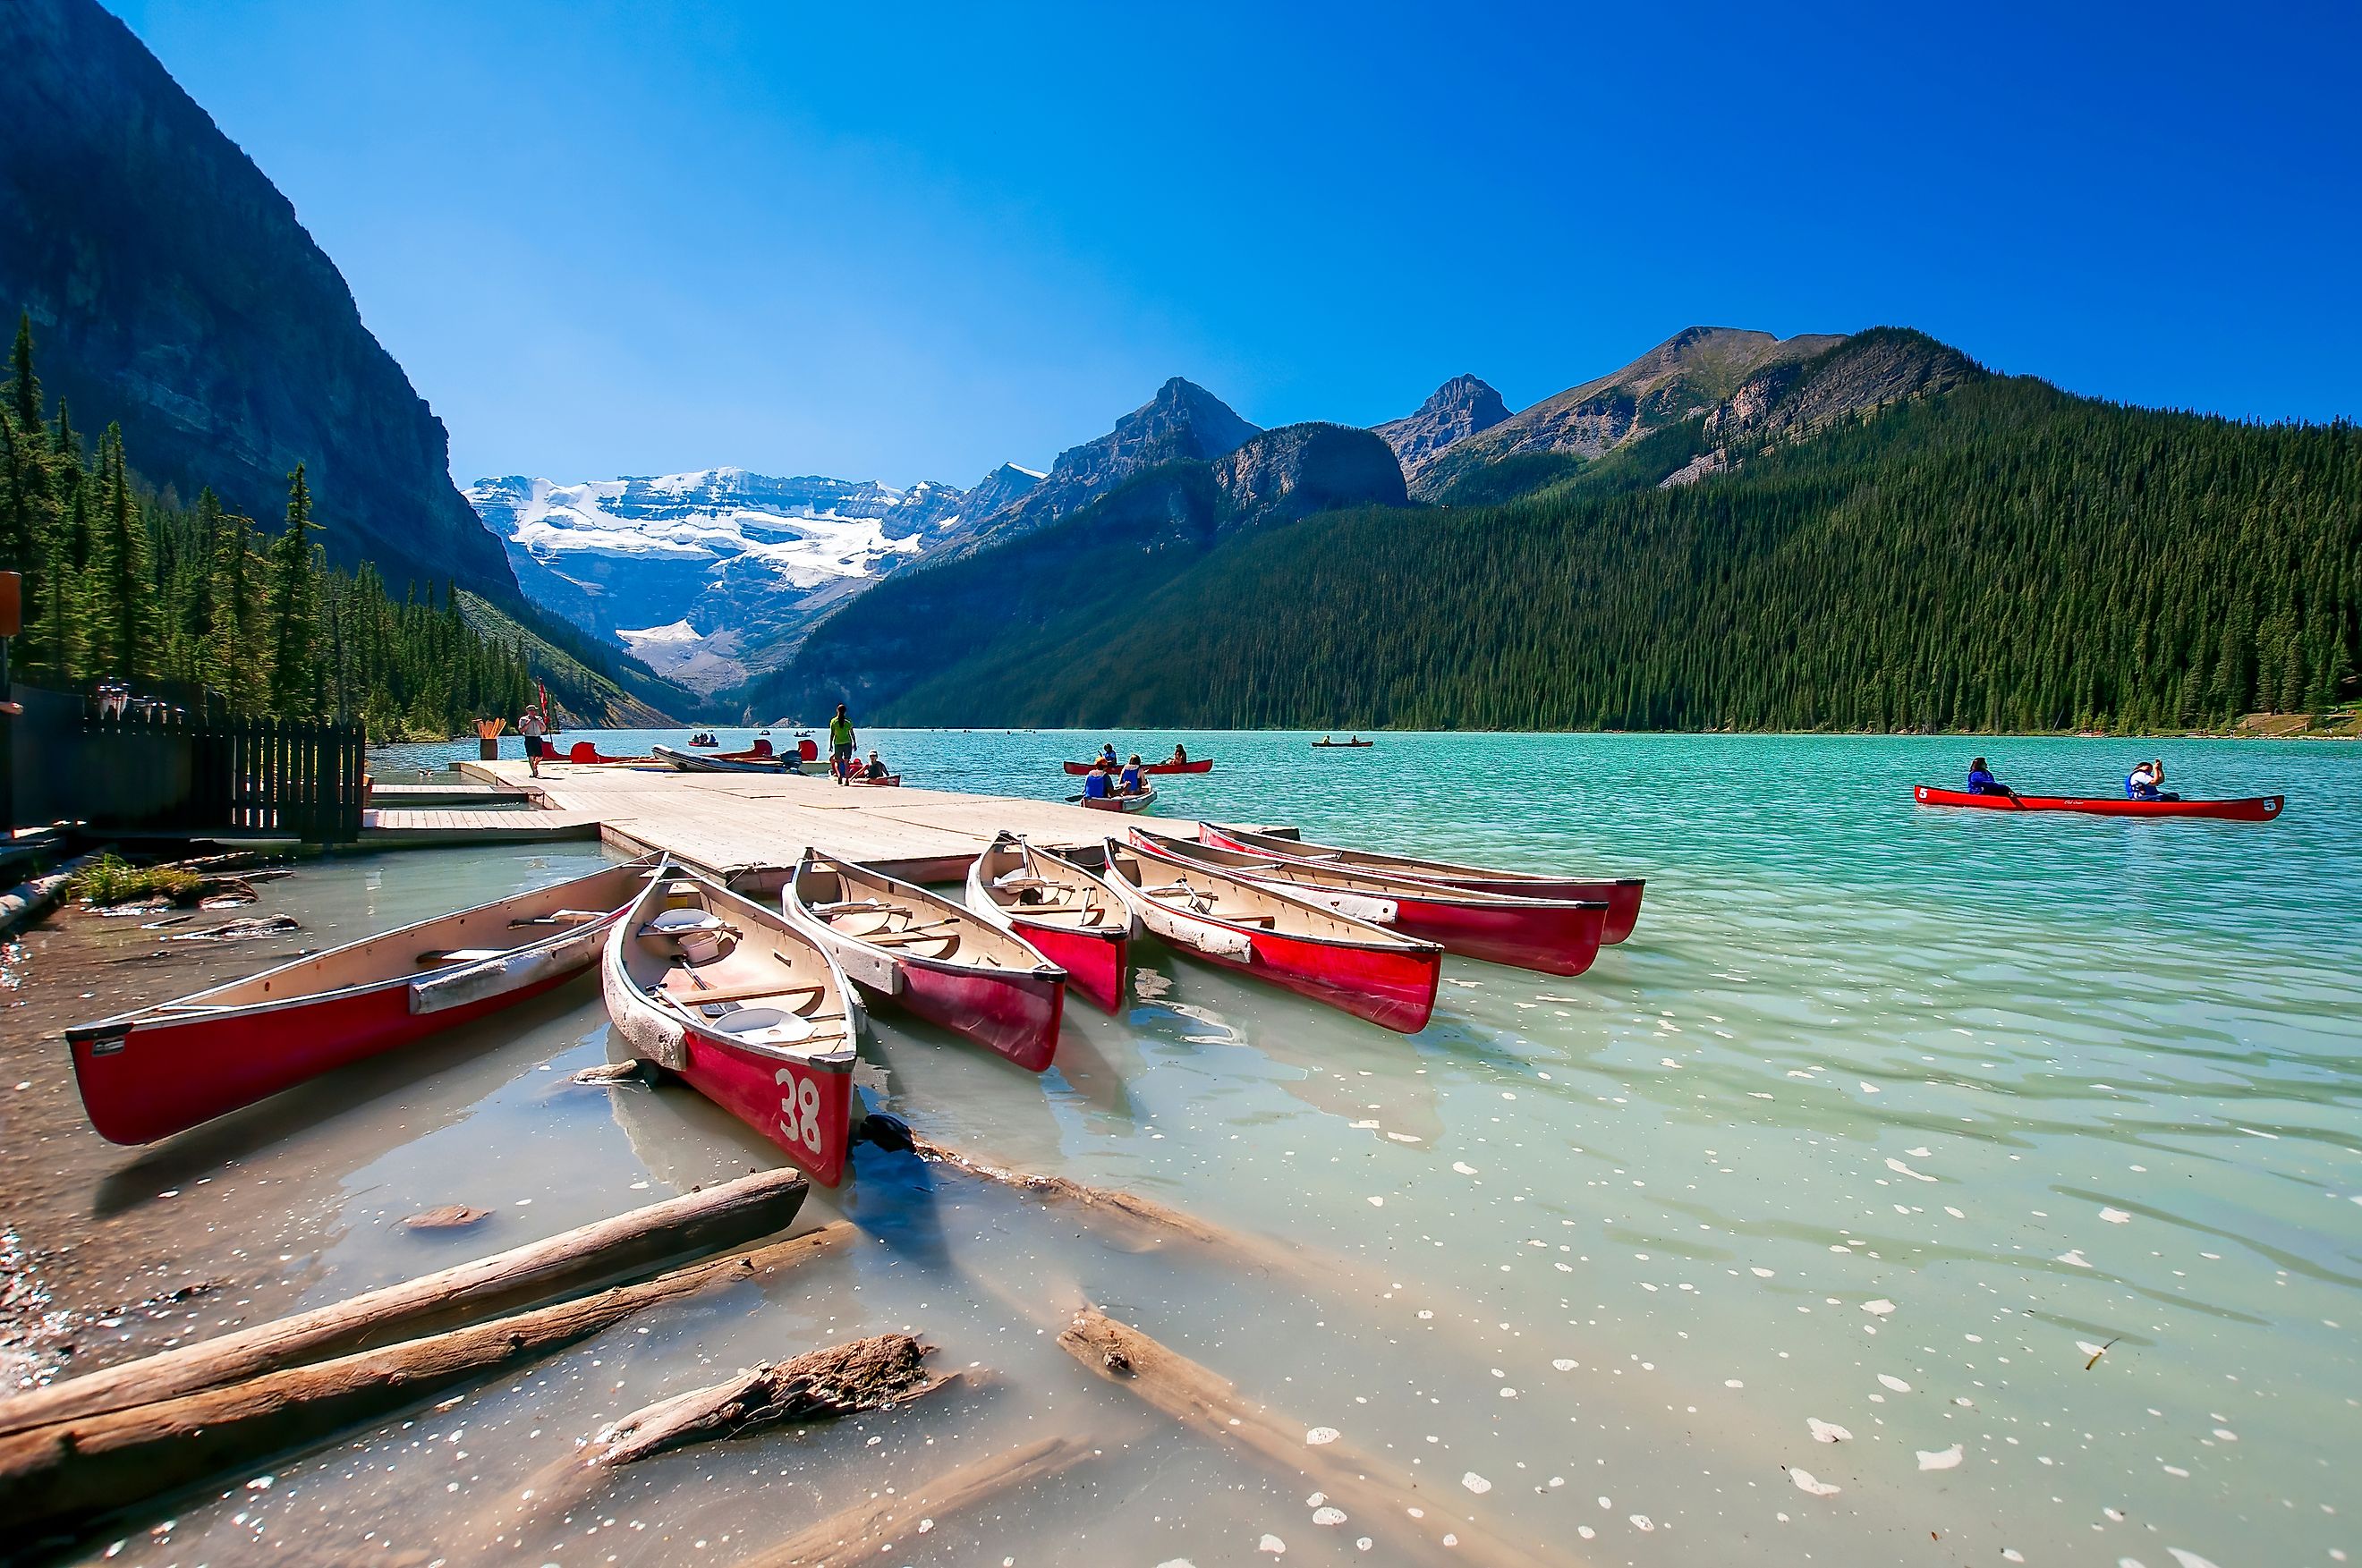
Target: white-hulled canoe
x,y
148,1074
743,1004
1071,917
937,959
1364,969
1551,935
714,762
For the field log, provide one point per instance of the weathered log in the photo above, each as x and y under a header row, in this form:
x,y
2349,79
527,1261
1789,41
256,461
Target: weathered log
x,y
864,1375
1365,1486
69,1472
1145,1216
31,899
727,1215
860,1533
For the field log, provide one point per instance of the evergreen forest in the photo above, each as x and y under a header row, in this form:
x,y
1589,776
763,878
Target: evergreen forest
x,y
117,586
2000,556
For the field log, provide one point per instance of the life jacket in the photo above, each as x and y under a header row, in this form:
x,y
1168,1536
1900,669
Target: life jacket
x,y
1095,785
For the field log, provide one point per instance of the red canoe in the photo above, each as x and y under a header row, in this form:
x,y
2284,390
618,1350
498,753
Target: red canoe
x,y
948,966
1054,904
1550,934
1205,765
1364,969
586,753
163,1069
745,1007
2252,808
1622,895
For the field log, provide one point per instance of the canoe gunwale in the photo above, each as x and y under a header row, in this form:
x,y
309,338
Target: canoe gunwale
x,y
193,1008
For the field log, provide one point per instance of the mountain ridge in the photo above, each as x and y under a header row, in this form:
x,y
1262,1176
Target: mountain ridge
x,y
176,291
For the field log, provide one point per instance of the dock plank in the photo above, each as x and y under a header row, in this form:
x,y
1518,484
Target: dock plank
x,y
729,823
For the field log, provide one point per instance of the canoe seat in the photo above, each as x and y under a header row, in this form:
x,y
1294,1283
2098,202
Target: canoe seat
x,y
748,993
762,1027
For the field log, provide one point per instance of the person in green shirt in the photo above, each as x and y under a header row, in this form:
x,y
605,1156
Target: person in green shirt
x,y
840,746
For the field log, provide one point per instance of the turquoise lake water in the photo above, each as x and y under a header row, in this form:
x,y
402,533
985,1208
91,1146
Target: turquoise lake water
x,y
1910,1174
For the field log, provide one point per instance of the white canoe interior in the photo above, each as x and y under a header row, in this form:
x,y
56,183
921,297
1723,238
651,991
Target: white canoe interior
x,y
475,936
1330,875
735,968
1026,883
1217,895
897,919
1370,861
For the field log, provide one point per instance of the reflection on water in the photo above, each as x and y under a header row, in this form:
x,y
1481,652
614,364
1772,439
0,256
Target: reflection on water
x,y
1908,1175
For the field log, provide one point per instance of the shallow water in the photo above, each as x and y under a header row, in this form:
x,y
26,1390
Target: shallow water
x,y
2025,1152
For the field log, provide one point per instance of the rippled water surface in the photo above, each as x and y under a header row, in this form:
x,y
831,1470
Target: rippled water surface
x,y
1915,1185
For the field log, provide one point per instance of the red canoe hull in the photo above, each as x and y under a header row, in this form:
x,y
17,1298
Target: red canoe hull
x,y
1095,960
1622,895
2253,808
806,1110
1393,990
1205,765
1561,939
1014,1015
165,1078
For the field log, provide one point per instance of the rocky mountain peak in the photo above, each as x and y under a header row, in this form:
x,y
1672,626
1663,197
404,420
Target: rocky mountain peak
x,y
1298,469
1182,422
1458,408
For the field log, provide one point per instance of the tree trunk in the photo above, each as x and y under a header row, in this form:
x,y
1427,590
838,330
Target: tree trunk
x,y
859,1533
69,1472
1370,1490
695,1223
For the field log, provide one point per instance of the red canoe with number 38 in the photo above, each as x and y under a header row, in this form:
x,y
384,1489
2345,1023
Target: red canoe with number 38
x,y
2251,808
745,1007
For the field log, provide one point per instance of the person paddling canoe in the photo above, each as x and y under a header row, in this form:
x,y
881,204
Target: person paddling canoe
x,y
1982,781
2147,782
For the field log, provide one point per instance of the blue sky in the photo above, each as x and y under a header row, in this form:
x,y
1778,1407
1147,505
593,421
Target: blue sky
x,y
906,242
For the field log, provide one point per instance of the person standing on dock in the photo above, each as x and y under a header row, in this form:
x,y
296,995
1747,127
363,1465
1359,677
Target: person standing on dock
x,y
533,727
840,746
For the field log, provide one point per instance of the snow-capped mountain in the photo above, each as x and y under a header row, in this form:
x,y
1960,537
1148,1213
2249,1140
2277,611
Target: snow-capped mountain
x,y
708,576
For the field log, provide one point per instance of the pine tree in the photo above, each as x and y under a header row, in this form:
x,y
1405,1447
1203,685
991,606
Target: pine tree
x,y
294,616
24,388
123,572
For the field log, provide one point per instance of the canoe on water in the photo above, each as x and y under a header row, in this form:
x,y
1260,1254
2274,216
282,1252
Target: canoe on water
x,y
162,1070
1204,766
935,958
1350,964
1127,804
1621,895
748,1008
2251,808
1343,745
1548,934
1071,916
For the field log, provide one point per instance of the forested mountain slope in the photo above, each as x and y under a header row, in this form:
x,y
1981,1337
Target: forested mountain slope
x,y
1997,556
1088,570
176,294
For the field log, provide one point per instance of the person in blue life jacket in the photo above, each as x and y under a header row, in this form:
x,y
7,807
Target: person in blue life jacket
x,y
1982,781
1095,783
1131,777
2147,782
1107,756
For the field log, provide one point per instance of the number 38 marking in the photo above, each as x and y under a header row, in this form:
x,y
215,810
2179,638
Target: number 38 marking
x,y
800,1111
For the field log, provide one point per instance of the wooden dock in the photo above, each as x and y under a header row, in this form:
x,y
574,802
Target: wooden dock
x,y
736,824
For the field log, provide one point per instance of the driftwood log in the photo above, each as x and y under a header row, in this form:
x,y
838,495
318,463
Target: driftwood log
x,y
68,1473
723,1216
1368,1488
864,1375
859,1533
840,1380
1144,1217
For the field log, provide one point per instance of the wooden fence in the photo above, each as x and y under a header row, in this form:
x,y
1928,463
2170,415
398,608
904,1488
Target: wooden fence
x,y
169,769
